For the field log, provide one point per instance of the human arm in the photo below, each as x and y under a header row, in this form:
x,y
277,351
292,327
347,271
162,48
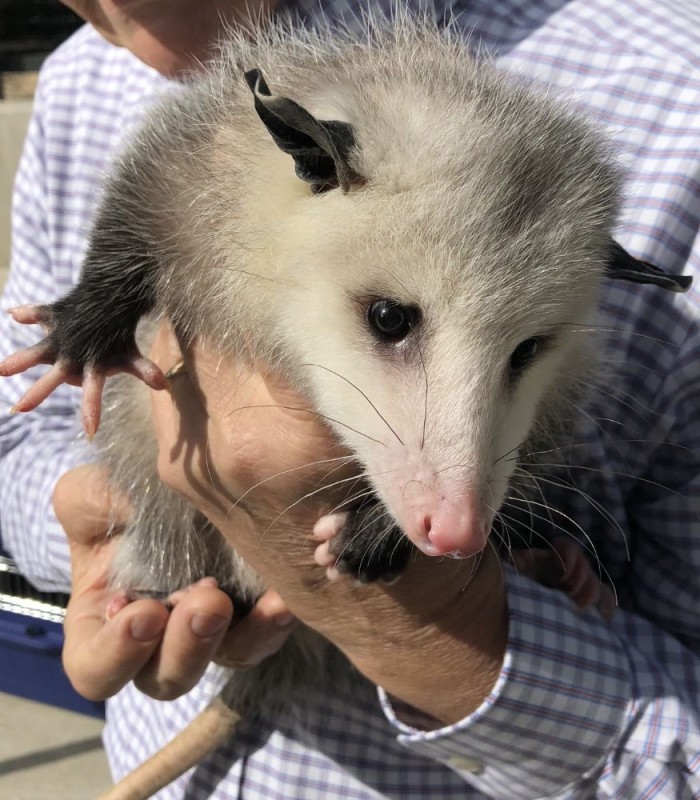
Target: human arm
x,y
577,700
43,457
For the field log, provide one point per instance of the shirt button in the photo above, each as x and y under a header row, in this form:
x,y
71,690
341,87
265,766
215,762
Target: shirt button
x,y
466,764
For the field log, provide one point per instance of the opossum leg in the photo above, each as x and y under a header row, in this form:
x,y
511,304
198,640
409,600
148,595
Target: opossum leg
x,y
91,332
361,545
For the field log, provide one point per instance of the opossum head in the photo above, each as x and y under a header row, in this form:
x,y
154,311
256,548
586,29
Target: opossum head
x,y
436,356
438,296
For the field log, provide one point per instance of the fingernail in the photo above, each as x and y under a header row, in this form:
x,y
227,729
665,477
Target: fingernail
x,y
207,625
115,605
145,629
207,582
285,620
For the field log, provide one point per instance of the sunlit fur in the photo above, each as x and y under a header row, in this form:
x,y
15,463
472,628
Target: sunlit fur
x,y
483,203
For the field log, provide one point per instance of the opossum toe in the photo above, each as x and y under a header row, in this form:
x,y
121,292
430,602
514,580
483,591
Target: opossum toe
x,y
42,353
323,556
329,526
146,370
39,391
29,315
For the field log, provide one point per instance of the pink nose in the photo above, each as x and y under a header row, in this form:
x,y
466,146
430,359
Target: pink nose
x,y
443,528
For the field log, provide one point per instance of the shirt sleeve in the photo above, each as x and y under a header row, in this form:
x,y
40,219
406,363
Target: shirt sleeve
x,y
588,708
36,448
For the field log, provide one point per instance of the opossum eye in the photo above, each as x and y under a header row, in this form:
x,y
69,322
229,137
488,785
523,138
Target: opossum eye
x,y
390,320
524,353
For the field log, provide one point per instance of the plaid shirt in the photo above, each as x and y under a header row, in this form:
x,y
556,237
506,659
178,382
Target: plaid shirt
x,y
583,708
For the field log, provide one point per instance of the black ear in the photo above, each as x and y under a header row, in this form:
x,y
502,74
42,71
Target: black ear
x,y
622,265
320,148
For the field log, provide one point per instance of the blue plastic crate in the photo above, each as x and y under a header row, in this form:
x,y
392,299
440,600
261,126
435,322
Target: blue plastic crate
x,y
31,639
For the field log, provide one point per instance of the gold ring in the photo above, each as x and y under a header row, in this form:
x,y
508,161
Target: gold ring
x,y
176,371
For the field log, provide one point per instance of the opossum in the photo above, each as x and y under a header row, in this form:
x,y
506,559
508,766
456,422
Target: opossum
x,y
410,236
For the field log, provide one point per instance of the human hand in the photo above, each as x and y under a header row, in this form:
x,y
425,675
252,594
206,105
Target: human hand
x,y
253,457
110,641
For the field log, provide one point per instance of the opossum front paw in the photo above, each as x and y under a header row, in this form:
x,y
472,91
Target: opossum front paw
x,y
564,566
75,360
360,545
580,581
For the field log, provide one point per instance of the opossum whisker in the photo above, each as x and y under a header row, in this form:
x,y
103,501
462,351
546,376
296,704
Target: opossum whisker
x,y
475,563
531,524
425,395
524,474
301,499
661,442
502,534
512,450
378,541
596,421
575,445
452,466
321,481
499,560
353,497
504,537
508,532
603,363
582,328
357,389
307,411
556,449
238,271
532,532
286,472
547,545
341,463
618,473
587,546
634,406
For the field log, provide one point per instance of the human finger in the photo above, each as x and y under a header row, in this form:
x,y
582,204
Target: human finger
x,y
87,506
260,634
101,655
196,626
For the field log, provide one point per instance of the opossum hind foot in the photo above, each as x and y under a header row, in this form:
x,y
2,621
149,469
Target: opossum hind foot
x,y
74,365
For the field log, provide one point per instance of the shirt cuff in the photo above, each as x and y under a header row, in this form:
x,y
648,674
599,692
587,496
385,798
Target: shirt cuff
x,y
555,711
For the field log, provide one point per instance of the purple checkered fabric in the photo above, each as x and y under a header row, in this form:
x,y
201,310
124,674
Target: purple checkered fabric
x,y
583,708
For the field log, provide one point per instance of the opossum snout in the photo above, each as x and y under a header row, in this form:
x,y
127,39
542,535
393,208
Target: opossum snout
x,y
438,526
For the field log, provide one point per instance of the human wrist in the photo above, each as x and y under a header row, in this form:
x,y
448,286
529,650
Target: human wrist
x,y
435,639
444,641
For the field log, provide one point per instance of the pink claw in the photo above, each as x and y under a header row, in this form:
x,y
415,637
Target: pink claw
x,y
91,406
